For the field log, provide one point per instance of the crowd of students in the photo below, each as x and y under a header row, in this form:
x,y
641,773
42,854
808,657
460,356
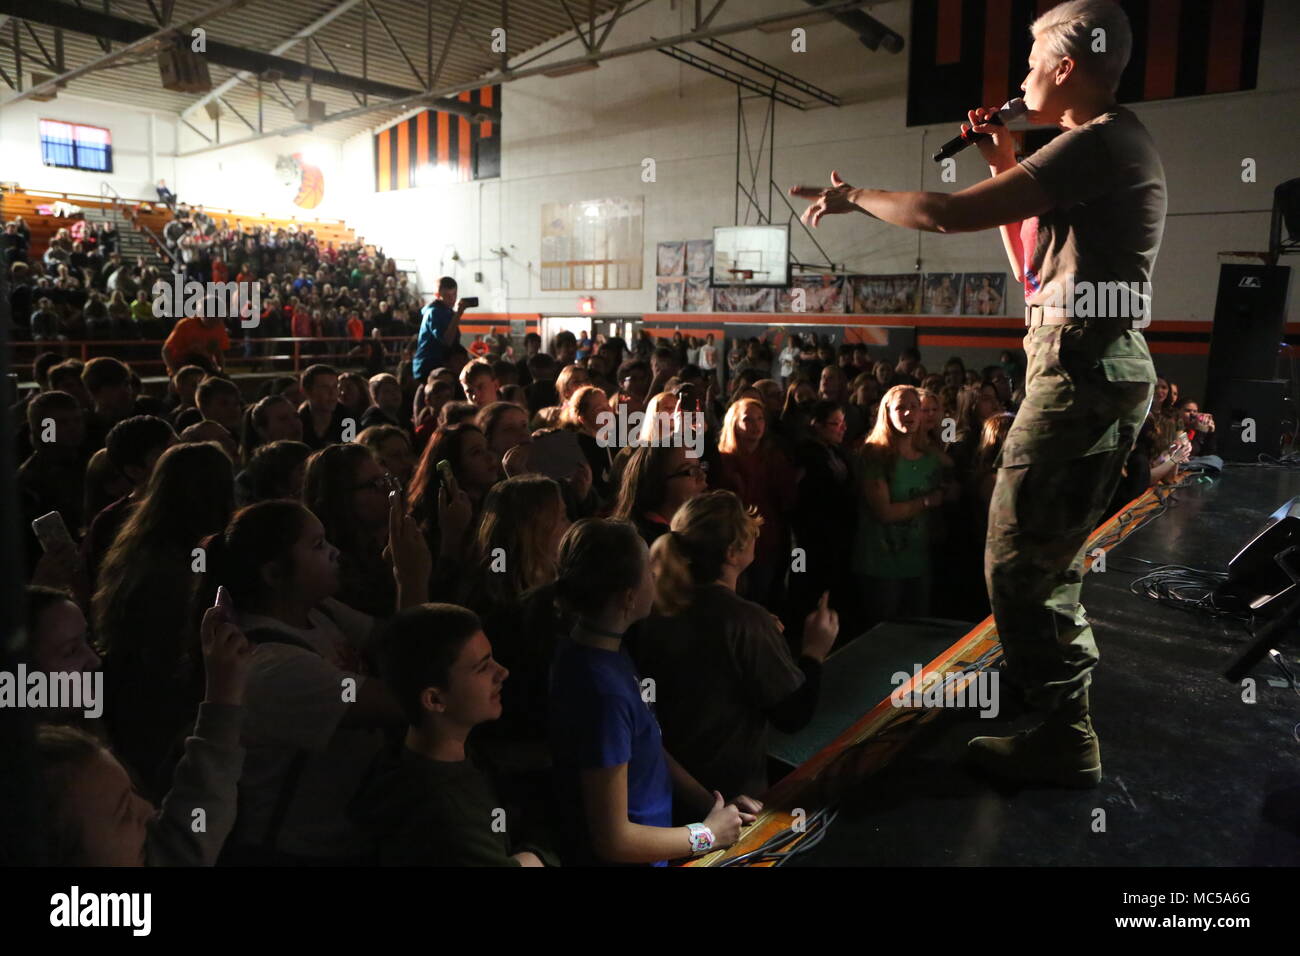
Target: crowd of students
x,y
83,288
372,620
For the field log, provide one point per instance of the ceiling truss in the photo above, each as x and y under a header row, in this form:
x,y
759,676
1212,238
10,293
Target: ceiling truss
x,y
259,76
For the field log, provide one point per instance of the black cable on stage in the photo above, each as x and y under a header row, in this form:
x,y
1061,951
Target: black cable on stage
x,y
1185,588
772,851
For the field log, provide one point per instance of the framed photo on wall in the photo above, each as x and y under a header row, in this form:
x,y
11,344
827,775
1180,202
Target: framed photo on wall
x,y
699,257
699,294
672,259
984,293
887,295
941,293
824,293
670,294
740,299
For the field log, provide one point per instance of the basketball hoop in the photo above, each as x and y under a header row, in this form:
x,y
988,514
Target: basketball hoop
x,y
745,274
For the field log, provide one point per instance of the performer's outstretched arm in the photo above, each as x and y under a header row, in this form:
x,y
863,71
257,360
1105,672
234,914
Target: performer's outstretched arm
x,y
1006,199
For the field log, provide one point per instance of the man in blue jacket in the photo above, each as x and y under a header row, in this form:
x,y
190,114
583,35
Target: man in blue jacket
x,y
439,329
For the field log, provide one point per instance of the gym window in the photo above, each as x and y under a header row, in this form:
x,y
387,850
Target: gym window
x,y
73,146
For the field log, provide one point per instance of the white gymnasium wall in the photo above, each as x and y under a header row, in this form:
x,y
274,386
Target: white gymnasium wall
x,y
244,177
584,136
144,145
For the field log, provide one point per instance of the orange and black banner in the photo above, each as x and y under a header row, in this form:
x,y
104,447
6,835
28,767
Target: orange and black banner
x,y
967,53
433,147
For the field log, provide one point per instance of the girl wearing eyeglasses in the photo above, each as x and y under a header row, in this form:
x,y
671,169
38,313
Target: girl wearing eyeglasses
x,y
348,490
656,483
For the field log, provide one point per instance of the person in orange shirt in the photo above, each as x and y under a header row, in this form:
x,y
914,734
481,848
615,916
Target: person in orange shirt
x,y
196,340
356,328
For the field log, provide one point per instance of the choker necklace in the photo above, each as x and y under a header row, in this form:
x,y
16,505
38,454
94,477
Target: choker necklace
x,y
584,625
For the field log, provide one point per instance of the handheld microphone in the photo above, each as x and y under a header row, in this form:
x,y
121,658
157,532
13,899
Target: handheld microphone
x,y
1012,109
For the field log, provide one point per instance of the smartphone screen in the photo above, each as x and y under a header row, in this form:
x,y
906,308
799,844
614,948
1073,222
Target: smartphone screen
x,y
687,399
52,533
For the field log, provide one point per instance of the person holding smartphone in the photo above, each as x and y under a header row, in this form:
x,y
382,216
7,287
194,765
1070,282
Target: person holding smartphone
x,y
1199,427
439,328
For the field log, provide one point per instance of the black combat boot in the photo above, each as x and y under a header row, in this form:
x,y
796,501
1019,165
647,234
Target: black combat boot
x,y
1060,752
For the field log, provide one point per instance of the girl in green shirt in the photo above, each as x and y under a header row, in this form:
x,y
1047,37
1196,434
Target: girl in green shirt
x,y
901,483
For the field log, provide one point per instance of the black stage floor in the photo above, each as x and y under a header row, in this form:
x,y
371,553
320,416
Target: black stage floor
x,y
1193,776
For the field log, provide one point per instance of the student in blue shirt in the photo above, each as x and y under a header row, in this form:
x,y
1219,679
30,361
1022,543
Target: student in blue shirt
x,y
439,329
613,776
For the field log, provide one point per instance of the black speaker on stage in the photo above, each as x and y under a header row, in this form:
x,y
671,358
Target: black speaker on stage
x,y
1248,416
1265,574
1264,581
1249,321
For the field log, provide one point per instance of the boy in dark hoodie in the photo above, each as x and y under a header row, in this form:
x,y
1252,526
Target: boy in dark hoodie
x,y
429,804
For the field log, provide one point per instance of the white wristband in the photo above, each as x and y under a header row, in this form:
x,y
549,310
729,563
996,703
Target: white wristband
x,y
702,838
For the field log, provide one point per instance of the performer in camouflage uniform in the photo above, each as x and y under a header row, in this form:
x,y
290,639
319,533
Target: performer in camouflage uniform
x,y
1081,220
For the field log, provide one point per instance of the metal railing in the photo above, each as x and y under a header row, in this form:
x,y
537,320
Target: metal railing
x,y
109,194
72,197
248,356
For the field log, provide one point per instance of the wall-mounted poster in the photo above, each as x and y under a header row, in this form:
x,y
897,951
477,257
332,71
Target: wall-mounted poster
x,y
670,294
984,293
941,293
740,299
823,293
699,257
699,294
672,259
887,295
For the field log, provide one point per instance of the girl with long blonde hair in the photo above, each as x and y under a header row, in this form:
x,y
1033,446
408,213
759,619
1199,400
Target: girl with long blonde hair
x,y
901,485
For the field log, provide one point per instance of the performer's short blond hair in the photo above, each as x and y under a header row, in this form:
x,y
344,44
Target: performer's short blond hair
x,y
1069,29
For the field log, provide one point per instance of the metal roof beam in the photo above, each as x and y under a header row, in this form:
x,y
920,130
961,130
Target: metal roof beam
x,y
458,106
397,43
129,31
149,37
772,72
314,41
731,76
103,44
276,50
238,114
446,46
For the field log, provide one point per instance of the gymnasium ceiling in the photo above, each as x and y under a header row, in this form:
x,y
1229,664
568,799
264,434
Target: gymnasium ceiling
x,y
263,25
384,58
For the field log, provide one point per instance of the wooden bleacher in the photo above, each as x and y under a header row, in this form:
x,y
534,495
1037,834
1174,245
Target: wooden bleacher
x,y
23,202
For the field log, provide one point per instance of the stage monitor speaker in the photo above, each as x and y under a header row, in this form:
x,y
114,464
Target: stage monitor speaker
x,y
1247,417
1249,321
1265,574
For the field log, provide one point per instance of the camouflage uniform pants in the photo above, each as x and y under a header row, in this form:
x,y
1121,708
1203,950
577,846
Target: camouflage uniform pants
x,y
1088,389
